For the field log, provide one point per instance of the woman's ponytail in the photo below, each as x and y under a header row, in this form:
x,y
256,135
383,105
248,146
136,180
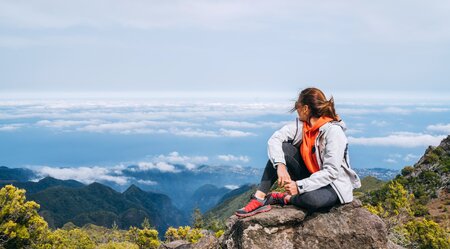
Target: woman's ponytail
x,y
328,109
317,102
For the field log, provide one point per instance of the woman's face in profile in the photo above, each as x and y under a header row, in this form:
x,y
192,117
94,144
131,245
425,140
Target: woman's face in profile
x,y
302,111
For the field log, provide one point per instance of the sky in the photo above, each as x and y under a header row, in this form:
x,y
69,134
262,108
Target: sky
x,y
93,85
223,46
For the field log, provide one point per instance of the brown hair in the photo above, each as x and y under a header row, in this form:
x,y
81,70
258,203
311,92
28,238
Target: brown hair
x,y
317,102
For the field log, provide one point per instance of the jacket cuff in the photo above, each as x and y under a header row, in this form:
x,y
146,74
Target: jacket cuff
x,y
301,186
277,161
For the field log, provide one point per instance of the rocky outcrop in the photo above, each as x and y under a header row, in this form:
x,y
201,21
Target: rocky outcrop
x,y
208,241
346,226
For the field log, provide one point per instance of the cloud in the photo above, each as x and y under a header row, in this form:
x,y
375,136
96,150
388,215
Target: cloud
x,y
11,127
83,174
353,131
440,128
65,123
260,124
235,133
232,158
433,109
190,162
390,160
161,166
231,187
368,111
188,132
399,139
147,182
140,117
378,123
410,157
369,20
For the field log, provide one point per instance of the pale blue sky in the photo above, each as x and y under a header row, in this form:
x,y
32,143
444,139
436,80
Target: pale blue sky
x,y
220,46
99,84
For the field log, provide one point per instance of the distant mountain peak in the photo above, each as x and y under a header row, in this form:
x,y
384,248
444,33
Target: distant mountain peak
x,y
133,189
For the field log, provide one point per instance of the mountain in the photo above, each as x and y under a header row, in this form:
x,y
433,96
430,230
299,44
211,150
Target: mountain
x,y
235,192
383,174
206,197
44,183
227,207
101,205
368,183
429,181
15,174
181,183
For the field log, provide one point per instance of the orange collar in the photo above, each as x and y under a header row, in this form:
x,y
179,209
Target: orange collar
x,y
308,142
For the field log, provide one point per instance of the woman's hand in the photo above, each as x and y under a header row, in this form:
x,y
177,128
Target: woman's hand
x,y
283,175
291,188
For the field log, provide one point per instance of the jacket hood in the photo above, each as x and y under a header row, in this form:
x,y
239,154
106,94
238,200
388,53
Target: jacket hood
x,y
339,123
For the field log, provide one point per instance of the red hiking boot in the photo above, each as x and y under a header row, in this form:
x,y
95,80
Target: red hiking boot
x,y
276,198
253,207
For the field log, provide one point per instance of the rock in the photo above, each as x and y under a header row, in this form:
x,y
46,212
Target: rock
x,y
207,242
176,244
346,226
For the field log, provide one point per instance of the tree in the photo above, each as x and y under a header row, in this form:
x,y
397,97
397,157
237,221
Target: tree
x,y
146,223
20,224
197,219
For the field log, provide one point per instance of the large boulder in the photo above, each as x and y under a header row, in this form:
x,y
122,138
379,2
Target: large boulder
x,y
346,226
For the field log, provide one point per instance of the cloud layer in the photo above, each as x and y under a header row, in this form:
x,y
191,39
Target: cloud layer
x,y
399,139
173,162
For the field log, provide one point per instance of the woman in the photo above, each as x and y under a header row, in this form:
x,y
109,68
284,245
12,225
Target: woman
x,y
309,158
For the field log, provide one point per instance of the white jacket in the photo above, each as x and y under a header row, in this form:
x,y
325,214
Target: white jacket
x,y
331,152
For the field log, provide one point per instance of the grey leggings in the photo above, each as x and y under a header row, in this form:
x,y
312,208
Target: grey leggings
x,y
321,198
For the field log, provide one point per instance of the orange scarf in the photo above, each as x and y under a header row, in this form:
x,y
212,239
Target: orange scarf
x,y
309,135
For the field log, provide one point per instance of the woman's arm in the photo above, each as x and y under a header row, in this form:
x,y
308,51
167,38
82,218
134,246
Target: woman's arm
x,y
335,143
291,131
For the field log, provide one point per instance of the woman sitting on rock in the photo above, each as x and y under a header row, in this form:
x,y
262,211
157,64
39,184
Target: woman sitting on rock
x,y
309,158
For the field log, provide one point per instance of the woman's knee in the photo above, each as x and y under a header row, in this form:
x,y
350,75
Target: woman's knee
x,y
289,149
312,201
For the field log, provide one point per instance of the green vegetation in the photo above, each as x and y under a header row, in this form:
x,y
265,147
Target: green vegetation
x,y
197,219
425,233
402,202
368,183
22,227
20,224
183,233
227,208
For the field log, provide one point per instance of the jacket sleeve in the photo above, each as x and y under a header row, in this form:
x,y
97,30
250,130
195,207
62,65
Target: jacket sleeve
x,y
291,131
335,143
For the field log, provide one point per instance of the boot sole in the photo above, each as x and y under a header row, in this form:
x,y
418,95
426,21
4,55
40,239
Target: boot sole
x,y
266,208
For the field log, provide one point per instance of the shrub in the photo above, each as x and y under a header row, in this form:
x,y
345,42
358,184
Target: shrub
x,y
407,170
426,234
219,233
20,224
171,234
144,238
117,245
183,231
194,235
70,239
